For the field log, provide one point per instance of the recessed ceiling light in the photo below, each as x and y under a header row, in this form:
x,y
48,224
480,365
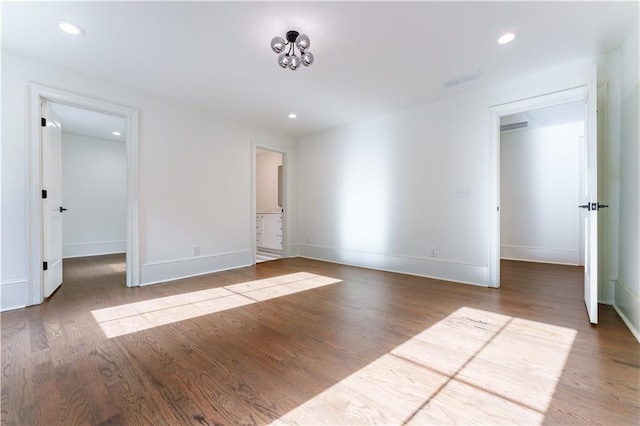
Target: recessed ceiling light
x,y
292,115
116,133
506,38
70,28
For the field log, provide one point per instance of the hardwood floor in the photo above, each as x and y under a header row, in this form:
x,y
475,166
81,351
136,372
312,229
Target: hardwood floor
x,y
296,341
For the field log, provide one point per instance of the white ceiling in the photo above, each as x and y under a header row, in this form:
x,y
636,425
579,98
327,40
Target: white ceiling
x,y
371,57
89,123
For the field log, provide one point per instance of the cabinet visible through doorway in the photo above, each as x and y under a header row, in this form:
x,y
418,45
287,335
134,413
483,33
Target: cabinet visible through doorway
x,y
269,231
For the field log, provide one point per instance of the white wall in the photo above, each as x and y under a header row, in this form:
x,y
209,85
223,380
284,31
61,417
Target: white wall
x,y
539,192
267,163
382,193
609,175
189,161
627,289
94,190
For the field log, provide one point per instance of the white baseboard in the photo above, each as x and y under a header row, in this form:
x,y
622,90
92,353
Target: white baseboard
x,y
627,305
606,291
95,248
540,254
13,294
441,269
175,269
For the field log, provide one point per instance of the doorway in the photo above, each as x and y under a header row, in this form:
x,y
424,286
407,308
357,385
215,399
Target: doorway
x,y
578,94
269,202
38,95
94,183
540,186
587,94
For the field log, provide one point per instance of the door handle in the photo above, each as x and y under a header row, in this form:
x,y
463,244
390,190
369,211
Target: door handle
x,y
593,206
62,209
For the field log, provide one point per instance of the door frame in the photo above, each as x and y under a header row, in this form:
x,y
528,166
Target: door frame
x,y
498,111
286,199
35,239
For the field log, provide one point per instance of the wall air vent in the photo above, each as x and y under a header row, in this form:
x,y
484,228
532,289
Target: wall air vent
x,y
464,78
514,126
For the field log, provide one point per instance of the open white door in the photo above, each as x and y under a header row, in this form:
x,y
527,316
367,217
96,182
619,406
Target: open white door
x,y
52,200
590,202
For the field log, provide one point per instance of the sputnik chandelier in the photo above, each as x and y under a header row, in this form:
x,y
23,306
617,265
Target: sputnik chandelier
x,y
289,59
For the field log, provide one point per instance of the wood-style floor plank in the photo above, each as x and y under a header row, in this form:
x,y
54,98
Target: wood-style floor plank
x,y
298,341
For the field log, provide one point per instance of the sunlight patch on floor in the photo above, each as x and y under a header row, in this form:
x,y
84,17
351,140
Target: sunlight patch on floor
x,y
117,267
473,366
132,317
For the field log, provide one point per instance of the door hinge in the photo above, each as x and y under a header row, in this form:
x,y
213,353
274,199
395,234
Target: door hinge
x,y
45,266
44,194
43,122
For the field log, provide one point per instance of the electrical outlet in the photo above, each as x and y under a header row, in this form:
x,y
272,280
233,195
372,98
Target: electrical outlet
x,y
434,252
307,240
463,192
196,250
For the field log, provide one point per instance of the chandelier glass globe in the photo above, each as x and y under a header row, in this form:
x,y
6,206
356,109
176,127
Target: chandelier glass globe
x,y
284,60
295,63
278,44
286,50
307,58
303,42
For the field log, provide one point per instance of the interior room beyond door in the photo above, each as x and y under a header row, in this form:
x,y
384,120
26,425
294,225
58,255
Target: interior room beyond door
x,y
269,205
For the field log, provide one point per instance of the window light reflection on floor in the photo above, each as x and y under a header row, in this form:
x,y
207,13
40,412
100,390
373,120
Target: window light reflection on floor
x,y
472,367
132,317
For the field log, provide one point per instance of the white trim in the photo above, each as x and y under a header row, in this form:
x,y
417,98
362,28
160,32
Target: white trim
x,y
635,332
497,111
287,167
540,248
13,282
539,261
12,308
557,256
13,302
183,259
608,288
177,269
401,256
95,248
436,268
632,318
36,93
